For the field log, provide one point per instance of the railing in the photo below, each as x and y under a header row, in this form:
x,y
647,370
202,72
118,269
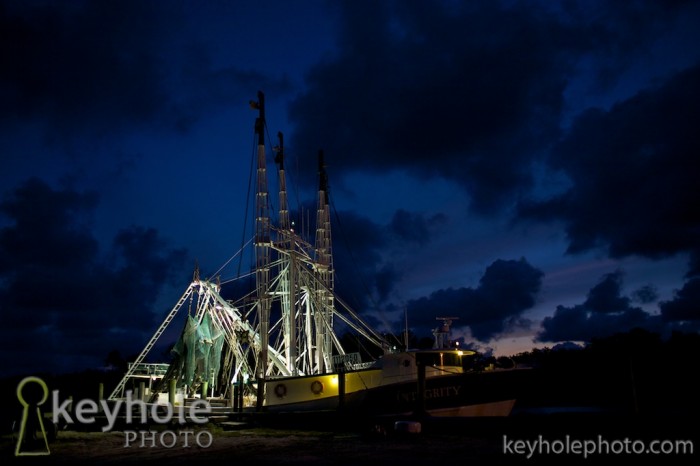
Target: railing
x,y
349,362
157,369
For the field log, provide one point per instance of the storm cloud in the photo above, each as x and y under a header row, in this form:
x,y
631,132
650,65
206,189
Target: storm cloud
x,y
607,311
63,300
631,193
471,92
506,290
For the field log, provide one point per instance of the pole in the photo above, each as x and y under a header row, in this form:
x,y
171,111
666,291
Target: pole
x,y
100,395
341,387
262,250
420,399
172,392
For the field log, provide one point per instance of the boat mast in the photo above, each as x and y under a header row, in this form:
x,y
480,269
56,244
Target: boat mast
x,y
324,270
286,244
262,248
284,210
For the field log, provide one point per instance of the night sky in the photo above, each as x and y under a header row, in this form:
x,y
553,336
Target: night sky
x,y
530,167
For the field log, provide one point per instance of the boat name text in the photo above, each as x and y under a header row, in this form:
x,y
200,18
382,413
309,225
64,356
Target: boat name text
x,y
441,392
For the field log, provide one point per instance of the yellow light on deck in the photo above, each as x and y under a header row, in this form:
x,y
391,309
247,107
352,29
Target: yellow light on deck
x,y
334,380
460,353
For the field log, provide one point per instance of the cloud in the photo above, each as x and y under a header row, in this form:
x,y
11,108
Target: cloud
x,y
66,304
200,86
366,253
632,178
385,281
694,264
414,227
685,305
434,113
603,313
506,290
51,227
83,62
359,275
646,294
606,312
471,93
605,296
95,69
580,324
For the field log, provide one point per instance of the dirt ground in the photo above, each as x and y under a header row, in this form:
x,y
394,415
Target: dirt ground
x,y
472,443
258,446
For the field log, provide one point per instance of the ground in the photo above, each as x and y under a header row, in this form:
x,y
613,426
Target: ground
x,y
257,446
472,443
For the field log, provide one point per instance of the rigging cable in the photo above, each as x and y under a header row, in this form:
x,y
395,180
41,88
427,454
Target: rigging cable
x,y
233,257
247,205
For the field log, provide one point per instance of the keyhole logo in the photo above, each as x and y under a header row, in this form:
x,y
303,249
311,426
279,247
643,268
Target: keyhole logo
x,y
32,425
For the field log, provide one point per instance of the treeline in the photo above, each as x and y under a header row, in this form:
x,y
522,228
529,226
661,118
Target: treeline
x,y
633,372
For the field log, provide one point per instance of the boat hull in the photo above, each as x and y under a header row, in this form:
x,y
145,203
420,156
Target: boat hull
x,y
366,392
471,394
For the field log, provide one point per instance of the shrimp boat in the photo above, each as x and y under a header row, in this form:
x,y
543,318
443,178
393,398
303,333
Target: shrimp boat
x,y
278,347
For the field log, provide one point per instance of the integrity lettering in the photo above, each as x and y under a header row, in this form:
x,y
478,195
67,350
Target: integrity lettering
x,y
441,392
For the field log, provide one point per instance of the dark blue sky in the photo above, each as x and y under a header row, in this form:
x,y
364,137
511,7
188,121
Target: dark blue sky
x,y
530,167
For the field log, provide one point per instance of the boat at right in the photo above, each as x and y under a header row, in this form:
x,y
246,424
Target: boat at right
x,y
444,381
281,344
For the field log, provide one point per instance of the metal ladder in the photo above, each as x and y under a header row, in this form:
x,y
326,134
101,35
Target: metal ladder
x,y
120,387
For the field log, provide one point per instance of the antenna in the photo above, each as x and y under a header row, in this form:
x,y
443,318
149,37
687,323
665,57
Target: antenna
x,y
447,321
442,333
405,330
